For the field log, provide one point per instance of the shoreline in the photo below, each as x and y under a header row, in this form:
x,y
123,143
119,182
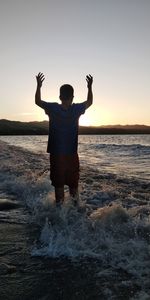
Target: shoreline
x,y
82,132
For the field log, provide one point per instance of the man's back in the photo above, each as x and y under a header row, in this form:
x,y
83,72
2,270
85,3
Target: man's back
x,y
63,127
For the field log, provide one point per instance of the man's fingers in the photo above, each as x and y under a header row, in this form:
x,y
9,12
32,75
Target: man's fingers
x,y
40,76
89,78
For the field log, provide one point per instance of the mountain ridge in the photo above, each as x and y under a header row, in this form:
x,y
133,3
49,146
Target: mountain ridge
x,y
9,127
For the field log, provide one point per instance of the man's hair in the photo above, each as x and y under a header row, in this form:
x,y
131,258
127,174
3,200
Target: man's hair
x,y
66,91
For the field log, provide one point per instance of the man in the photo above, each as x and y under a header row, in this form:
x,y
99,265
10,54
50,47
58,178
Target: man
x,y
63,136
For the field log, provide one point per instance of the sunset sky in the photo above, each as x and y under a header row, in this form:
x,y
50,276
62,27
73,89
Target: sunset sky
x,y
68,39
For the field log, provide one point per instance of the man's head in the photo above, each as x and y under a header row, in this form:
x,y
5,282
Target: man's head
x,y
66,93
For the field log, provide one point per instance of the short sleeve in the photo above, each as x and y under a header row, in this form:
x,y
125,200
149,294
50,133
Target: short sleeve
x,y
49,107
80,108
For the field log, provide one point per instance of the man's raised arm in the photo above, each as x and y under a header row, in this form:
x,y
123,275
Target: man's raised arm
x,y
40,78
89,100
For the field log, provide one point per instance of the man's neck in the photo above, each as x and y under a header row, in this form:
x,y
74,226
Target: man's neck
x,y
65,106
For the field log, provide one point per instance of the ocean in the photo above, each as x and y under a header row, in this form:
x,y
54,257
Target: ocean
x,y
126,155
100,250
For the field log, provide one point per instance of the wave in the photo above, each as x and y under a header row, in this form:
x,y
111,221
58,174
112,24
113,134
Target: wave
x,y
111,224
120,147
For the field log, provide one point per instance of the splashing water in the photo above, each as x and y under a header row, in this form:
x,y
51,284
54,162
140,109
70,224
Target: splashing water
x,y
111,224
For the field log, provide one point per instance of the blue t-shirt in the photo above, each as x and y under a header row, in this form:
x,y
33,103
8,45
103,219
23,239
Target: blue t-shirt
x,y
63,127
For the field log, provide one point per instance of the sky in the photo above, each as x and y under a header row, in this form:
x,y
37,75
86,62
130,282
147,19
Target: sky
x,y
66,40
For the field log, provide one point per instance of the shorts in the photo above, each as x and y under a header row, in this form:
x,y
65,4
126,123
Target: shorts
x,y
64,170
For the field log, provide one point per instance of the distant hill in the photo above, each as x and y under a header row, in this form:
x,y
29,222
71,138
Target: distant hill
x,y
23,128
8,127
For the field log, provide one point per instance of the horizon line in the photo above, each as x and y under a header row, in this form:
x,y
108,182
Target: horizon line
x,y
135,124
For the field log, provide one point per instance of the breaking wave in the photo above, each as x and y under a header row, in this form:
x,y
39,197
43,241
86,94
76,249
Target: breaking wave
x,y
111,223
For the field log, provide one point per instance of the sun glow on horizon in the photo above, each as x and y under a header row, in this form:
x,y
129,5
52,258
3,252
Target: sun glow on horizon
x,y
95,116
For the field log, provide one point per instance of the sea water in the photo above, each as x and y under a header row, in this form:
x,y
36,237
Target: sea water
x,y
100,250
127,155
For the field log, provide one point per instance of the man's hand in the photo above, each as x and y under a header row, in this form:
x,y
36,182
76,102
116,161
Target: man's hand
x,y
89,100
40,78
89,80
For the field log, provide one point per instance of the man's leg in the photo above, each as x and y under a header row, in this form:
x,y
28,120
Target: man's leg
x,y
73,177
59,195
74,194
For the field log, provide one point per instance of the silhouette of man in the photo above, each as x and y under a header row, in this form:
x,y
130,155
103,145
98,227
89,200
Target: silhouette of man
x,y
63,136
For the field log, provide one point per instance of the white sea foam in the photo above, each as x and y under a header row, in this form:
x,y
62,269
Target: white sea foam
x,y
111,224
